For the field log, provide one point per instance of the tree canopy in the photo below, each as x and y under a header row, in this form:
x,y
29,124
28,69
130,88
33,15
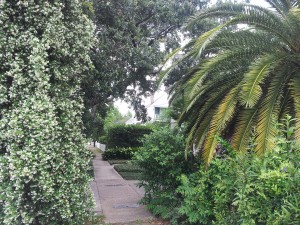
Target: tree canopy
x,y
128,53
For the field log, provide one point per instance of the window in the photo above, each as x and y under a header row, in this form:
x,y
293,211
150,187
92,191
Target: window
x,y
157,111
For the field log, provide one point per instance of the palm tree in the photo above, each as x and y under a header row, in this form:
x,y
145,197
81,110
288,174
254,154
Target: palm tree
x,y
243,80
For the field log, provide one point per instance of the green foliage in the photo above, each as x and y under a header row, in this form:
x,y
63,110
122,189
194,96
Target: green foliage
x,y
126,135
44,52
129,37
245,188
240,80
103,139
94,124
207,195
162,160
119,153
114,117
95,220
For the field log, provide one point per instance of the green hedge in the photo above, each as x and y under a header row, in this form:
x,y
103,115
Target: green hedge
x,y
119,153
126,136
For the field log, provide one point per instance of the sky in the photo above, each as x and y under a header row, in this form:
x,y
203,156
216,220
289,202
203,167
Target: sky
x,y
260,2
124,107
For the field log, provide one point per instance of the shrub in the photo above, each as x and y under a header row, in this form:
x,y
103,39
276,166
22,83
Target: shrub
x,y
162,160
119,153
234,189
246,189
126,135
103,139
207,195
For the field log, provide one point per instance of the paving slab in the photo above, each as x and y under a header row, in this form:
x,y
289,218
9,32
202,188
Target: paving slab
x,y
134,185
116,198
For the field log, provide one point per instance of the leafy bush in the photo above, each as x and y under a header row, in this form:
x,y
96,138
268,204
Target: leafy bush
x,y
119,153
103,139
246,189
162,160
126,135
234,189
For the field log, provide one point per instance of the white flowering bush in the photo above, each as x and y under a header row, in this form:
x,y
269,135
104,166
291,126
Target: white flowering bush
x,y
44,48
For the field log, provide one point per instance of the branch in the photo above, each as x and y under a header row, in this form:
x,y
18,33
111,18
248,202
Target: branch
x,y
163,33
144,20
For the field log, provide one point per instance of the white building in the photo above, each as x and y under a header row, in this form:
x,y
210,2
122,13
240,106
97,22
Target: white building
x,y
155,105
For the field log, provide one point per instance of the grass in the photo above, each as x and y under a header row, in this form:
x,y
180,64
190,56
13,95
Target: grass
x,y
95,220
130,175
127,169
117,161
94,150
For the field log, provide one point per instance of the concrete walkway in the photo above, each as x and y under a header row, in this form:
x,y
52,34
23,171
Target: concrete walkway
x,y
116,198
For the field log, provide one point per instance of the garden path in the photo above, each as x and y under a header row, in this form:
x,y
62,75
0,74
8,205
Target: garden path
x,y
116,198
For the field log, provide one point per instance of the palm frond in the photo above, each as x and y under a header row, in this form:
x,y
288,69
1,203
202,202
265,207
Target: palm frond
x,y
269,112
163,75
295,90
216,86
197,133
222,115
259,17
205,39
286,104
265,23
293,21
242,39
281,6
210,146
213,68
258,71
239,78
243,127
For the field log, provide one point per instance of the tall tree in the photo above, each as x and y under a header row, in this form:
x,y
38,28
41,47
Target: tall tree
x,y
44,50
128,54
242,81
